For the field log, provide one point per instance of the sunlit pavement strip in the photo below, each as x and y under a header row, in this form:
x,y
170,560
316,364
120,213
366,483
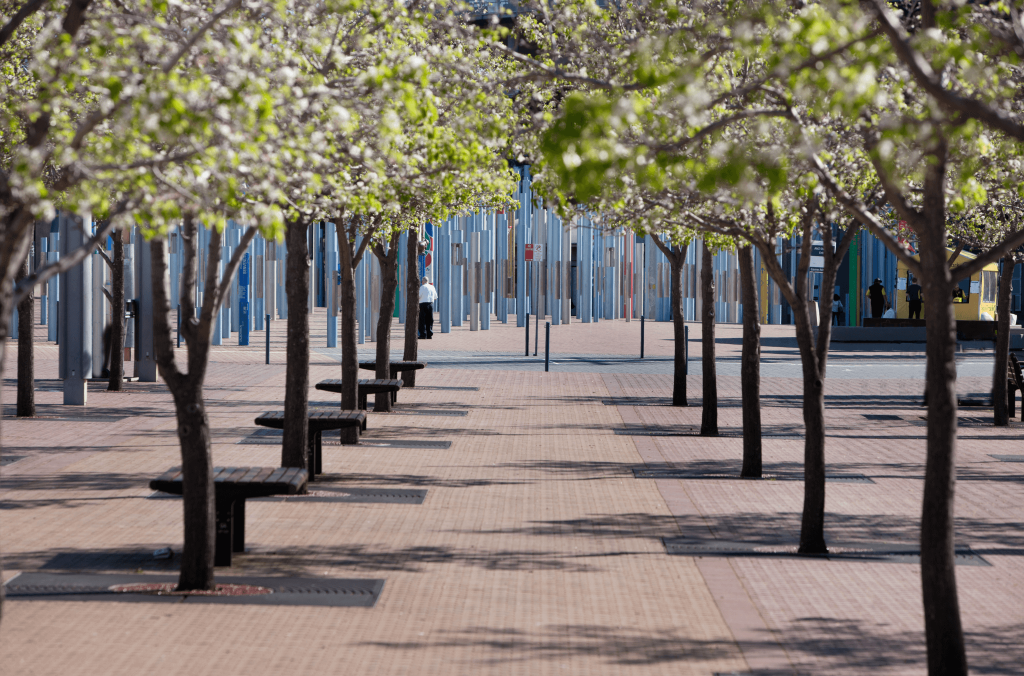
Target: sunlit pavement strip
x,y
910,368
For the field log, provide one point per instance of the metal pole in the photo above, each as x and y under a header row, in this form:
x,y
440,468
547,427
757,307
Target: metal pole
x,y
641,336
527,322
179,326
547,346
268,338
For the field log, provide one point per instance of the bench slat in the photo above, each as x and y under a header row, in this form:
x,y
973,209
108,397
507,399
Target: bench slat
x,y
263,474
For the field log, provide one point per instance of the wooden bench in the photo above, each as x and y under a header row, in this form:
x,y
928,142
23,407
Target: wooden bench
x,y
365,387
319,422
232,485
396,366
1014,384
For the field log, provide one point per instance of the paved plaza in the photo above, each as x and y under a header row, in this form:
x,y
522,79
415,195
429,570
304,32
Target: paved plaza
x,y
537,548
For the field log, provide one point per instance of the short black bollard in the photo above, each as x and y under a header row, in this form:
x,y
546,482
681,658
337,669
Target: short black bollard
x,y
527,354
267,325
641,336
179,326
547,346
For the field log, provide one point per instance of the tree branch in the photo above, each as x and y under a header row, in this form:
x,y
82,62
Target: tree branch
x,y
857,209
991,256
923,74
27,10
66,262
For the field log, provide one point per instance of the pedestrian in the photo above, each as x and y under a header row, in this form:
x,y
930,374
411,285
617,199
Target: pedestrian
x,y
914,298
838,311
876,294
427,297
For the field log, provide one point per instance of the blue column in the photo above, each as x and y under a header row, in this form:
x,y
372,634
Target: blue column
x,y
243,301
331,283
443,249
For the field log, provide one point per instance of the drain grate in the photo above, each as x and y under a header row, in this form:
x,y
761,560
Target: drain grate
x,y
430,411
883,552
644,473
8,459
394,443
400,496
1008,458
286,591
880,416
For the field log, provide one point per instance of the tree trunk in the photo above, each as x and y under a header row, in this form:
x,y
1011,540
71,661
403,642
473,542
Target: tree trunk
x,y
943,630
349,356
389,279
197,554
676,261
750,365
999,403
3,349
812,523
26,364
412,305
294,445
117,326
709,414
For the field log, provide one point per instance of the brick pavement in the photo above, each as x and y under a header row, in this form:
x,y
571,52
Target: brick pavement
x,y
535,551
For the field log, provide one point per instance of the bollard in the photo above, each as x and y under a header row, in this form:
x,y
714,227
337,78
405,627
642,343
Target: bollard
x,y
547,346
179,326
527,322
267,324
641,336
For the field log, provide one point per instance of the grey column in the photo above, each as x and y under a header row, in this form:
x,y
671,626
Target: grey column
x,y
145,357
75,321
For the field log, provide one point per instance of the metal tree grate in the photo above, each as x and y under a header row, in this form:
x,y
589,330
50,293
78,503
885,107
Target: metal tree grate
x,y
8,459
392,443
402,496
644,473
430,411
286,591
882,552
881,416
1007,458
263,436
636,402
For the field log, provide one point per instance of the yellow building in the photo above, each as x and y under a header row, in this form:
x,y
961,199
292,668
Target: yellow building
x,y
979,292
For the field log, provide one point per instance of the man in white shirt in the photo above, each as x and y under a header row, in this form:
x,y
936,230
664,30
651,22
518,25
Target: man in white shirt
x,y
427,297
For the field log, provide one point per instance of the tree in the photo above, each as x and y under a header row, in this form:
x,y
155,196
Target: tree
x,y
187,387
92,98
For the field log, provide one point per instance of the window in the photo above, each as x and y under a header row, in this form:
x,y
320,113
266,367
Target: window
x,y
989,284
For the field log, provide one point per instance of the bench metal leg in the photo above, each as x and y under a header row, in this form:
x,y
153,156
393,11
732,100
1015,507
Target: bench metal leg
x,y
1011,401
315,466
238,526
362,401
224,538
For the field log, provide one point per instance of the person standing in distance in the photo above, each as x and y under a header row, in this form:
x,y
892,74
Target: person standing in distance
x,y
914,298
876,294
427,297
